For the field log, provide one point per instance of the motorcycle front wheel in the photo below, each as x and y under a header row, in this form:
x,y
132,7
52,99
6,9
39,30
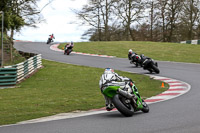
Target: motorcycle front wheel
x,y
145,107
155,69
48,41
124,108
68,52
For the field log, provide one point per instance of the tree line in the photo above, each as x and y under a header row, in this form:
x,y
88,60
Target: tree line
x,y
141,20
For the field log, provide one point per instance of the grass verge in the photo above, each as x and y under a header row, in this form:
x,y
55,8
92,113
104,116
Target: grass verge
x,y
59,88
156,50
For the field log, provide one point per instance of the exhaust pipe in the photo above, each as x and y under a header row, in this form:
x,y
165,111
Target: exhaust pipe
x,y
125,93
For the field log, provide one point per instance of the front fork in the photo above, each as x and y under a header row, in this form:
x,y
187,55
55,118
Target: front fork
x,y
132,93
138,100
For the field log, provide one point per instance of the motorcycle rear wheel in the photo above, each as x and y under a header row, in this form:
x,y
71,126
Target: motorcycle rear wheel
x,y
125,109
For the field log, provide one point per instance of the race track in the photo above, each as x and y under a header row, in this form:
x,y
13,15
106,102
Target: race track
x,y
179,115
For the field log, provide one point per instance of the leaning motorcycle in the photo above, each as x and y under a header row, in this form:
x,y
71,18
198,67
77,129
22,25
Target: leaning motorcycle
x,y
150,65
68,50
127,100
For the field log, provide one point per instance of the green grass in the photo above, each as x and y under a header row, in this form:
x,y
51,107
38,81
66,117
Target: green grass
x,y
156,50
59,88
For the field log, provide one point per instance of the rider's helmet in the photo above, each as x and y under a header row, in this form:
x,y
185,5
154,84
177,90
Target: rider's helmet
x,y
130,51
108,71
142,56
109,74
71,43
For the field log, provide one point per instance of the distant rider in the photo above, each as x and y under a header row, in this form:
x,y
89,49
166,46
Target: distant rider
x,y
110,77
134,57
69,45
130,54
144,60
51,37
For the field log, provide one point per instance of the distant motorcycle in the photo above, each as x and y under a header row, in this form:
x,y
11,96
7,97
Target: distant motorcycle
x,y
149,64
50,39
68,49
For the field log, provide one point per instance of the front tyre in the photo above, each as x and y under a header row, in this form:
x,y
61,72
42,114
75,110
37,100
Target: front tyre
x,y
145,107
68,52
155,69
136,64
124,108
48,41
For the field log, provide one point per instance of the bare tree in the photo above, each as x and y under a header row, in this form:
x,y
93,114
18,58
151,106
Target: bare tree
x,y
190,17
152,7
174,10
98,15
130,12
162,5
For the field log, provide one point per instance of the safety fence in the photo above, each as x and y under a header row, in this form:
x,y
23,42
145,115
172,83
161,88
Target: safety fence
x,y
191,42
11,75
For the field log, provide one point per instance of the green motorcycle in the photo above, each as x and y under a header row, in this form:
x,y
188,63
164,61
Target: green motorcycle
x,y
126,100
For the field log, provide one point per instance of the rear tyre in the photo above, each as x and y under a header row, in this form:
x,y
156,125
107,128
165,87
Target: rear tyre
x,y
125,109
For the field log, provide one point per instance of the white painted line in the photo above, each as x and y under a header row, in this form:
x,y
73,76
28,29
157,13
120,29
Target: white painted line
x,y
177,87
161,97
175,83
174,91
64,116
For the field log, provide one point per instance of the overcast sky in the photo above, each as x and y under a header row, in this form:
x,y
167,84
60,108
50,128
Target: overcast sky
x,y
58,17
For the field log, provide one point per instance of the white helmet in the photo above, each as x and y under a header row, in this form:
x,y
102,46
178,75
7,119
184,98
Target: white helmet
x,y
130,51
108,75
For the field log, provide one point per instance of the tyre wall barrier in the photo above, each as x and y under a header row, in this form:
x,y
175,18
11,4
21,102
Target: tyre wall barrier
x,y
11,75
191,42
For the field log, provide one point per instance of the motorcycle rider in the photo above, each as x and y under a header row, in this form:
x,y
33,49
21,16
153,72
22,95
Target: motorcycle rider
x,y
130,54
110,77
51,37
69,45
134,57
144,59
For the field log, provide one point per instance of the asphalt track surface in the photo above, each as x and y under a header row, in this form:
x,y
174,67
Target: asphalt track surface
x,y
178,115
